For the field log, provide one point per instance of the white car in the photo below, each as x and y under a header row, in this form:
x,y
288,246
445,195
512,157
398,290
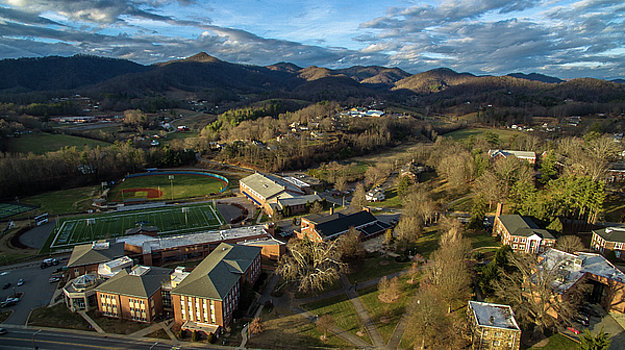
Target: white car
x,y
20,281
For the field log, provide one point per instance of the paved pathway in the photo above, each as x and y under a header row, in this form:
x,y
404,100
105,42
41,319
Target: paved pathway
x,y
362,313
145,331
91,322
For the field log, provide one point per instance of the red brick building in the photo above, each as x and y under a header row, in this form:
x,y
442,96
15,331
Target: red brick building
x,y
206,299
319,228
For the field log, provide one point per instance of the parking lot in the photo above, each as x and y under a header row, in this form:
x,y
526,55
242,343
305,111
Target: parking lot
x,y
36,289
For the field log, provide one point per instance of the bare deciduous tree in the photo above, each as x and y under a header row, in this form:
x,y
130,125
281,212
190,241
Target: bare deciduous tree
x,y
427,318
324,323
570,244
312,265
389,290
359,200
256,326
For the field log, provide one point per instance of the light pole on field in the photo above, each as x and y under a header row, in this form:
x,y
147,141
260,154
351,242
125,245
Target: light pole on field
x,y
171,181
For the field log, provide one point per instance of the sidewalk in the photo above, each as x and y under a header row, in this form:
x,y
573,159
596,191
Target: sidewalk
x,y
91,322
362,313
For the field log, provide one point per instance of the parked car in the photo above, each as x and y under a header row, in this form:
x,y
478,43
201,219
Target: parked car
x,y
3,331
573,329
9,302
54,279
20,282
584,322
6,285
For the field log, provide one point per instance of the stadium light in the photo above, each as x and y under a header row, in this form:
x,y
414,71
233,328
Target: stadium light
x,y
171,180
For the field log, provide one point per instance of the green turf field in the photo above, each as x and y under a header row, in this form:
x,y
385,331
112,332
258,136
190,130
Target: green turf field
x,y
184,186
64,201
10,209
168,219
44,142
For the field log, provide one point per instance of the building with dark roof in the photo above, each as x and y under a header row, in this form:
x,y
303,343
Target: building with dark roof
x,y
522,234
206,299
85,258
134,295
493,326
323,227
609,239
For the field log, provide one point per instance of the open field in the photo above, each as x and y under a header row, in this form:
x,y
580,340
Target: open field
x,y
557,342
10,209
44,142
157,186
57,316
341,309
504,134
168,219
63,201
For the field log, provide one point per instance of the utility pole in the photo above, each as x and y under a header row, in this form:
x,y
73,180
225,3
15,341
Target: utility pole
x,y
171,181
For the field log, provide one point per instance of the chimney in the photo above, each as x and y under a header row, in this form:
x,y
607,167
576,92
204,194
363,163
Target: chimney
x,y
331,210
499,209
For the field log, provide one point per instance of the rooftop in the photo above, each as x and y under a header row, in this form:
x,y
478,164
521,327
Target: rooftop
x,y
150,244
612,234
140,282
493,315
572,267
95,253
268,185
110,268
518,154
217,274
524,226
336,223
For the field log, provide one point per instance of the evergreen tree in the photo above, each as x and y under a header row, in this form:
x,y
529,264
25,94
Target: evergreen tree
x,y
599,341
478,213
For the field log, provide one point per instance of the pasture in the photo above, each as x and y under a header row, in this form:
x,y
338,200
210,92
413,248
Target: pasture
x,y
44,142
169,220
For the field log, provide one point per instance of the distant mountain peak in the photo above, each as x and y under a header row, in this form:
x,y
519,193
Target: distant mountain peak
x,y
285,67
202,57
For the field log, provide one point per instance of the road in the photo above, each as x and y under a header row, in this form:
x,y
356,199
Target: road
x,y
32,338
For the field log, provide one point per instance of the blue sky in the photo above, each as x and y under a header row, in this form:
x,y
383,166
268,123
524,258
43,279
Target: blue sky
x,y
567,38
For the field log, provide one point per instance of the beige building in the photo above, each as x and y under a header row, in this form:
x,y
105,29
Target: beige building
x,y
493,327
80,293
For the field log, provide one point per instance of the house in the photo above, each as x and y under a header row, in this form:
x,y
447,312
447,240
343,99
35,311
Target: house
x,y
320,228
604,283
133,295
206,299
609,239
530,157
522,234
616,172
412,170
86,258
493,326
375,195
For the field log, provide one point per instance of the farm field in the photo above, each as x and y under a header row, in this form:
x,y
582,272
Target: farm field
x,y
44,142
159,187
462,134
169,219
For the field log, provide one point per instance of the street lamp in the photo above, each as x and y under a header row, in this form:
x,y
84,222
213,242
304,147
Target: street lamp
x,y
34,334
171,180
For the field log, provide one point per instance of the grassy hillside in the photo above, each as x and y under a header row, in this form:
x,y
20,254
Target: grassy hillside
x,y
44,142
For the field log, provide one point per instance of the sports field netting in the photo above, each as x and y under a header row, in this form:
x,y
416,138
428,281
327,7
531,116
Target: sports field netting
x,y
10,209
168,219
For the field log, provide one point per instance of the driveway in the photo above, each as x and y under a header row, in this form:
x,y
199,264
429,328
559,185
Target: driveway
x,y
36,288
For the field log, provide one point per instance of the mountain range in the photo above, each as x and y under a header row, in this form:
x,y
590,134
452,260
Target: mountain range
x,y
208,77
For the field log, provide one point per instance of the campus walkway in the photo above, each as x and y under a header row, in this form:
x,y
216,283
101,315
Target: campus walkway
x,y
362,313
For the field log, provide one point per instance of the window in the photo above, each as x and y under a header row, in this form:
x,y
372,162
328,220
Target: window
x,y
618,246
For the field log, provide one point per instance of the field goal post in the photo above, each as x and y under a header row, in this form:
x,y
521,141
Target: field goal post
x,y
90,222
185,211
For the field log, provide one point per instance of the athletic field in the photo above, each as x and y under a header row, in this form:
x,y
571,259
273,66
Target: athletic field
x,y
169,220
10,209
158,186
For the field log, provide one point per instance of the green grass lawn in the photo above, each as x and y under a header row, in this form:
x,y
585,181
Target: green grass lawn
x,y
392,200
614,208
178,136
4,315
341,309
114,325
464,205
63,201
184,186
291,332
169,219
482,239
386,316
463,134
428,243
44,142
558,342
377,266
57,316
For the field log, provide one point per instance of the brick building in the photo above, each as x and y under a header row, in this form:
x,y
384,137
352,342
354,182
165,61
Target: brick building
x,y
133,295
609,239
206,299
323,227
493,327
86,258
264,190
522,234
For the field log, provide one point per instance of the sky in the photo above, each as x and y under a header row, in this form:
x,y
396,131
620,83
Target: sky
x,y
563,38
